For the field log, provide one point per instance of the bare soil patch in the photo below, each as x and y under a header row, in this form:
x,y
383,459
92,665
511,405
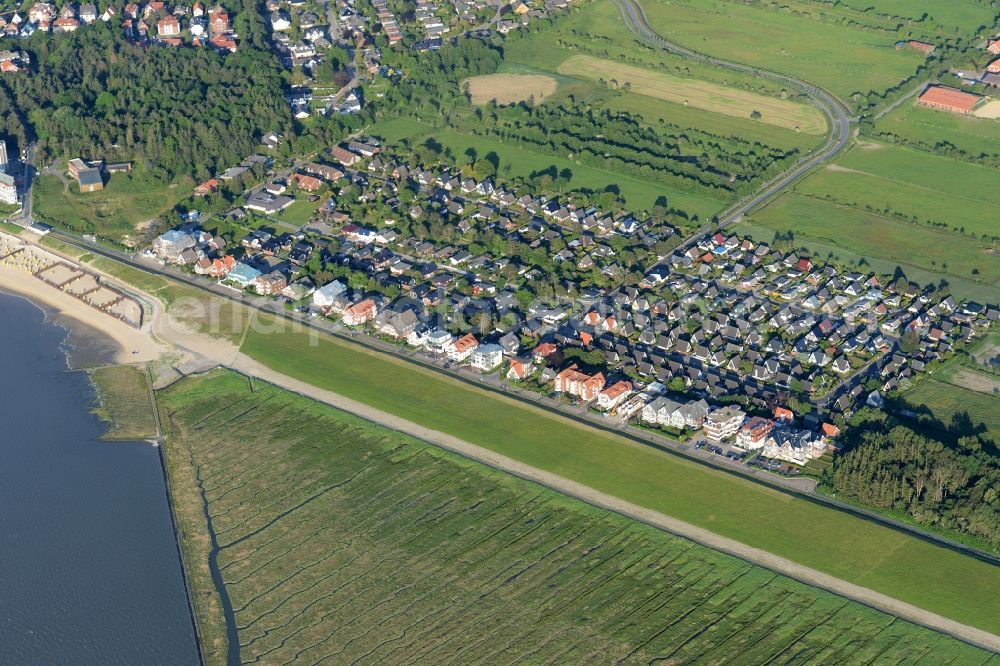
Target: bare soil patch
x,y
976,381
990,109
510,88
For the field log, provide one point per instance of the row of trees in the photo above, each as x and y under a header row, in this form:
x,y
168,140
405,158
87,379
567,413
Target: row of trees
x,y
674,155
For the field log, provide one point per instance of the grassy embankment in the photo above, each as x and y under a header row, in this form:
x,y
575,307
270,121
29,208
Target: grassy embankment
x,y
819,537
346,542
123,401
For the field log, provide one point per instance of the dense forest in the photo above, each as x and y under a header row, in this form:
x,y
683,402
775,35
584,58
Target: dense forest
x,y
181,111
943,486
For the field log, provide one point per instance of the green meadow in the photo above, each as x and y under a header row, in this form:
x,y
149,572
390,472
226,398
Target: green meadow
x,y
872,235
843,49
912,185
939,130
127,201
955,409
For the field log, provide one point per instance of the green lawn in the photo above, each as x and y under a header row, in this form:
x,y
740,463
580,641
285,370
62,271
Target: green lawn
x,y
343,542
520,162
913,185
826,44
872,235
822,538
127,200
932,129
300,212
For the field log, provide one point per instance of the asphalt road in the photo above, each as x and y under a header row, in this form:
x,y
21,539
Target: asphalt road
x,y
835,110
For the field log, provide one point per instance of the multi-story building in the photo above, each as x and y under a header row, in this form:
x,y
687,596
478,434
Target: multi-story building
x,y
724,423
579,384
8,189
754,433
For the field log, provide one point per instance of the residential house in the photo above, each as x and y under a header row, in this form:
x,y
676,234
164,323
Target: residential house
x,y
794,446
243,274
520,369
574,382
460,349
614,395
271,283
754,433
325,295
486,357
360,313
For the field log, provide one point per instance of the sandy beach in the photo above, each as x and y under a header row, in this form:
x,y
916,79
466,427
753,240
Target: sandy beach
x,y
135,345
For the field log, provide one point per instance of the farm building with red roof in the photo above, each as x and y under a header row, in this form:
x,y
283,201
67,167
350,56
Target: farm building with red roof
x,y
949,99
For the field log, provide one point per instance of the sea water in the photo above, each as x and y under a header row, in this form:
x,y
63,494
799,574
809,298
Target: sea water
x,y
89,566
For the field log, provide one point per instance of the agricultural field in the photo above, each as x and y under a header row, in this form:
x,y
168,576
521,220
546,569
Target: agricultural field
x,y
127,201
510,88
822,538
986,352
745,125
912,185
939,130
124,402
840,47
871,235
703,95
655,111
335,540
